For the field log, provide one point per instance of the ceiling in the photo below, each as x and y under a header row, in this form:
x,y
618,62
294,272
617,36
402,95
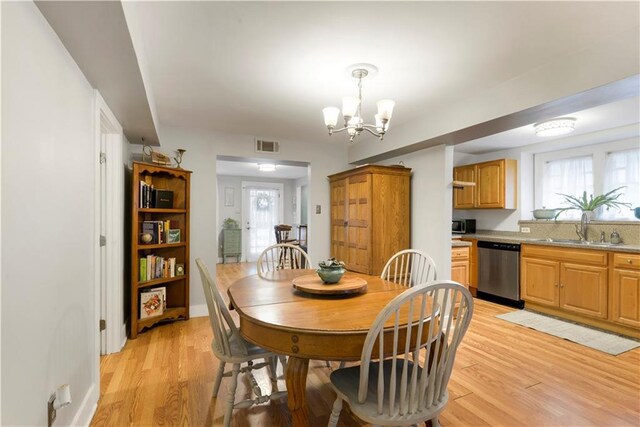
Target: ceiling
x,y
592,120
268,68
239,168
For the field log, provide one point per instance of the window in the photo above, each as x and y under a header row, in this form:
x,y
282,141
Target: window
x,y
622,168
595,169
566,176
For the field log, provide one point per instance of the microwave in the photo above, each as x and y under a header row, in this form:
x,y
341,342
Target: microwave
x,y
463,226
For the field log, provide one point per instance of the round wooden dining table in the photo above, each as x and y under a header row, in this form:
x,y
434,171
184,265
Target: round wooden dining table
x,y
279,318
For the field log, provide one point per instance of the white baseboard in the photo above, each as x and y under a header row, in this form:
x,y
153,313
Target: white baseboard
x,y
87,408
199,310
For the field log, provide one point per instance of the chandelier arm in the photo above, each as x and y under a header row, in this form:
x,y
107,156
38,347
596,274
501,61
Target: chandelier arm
x,y
339,130
372,132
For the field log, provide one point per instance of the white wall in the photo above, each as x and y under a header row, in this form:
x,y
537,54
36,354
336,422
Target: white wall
x,y
47,223
431,203
203,147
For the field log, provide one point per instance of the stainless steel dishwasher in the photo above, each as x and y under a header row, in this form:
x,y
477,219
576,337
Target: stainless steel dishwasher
x,y
499,272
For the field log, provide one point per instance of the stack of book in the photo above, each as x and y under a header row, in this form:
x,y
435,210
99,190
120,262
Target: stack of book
x,y
161,231
156,267
151,197
153,302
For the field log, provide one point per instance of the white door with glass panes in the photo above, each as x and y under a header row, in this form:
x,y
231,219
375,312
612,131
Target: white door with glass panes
x,y
262,210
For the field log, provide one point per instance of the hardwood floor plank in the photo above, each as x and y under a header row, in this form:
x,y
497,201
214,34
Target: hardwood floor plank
x,y
504,375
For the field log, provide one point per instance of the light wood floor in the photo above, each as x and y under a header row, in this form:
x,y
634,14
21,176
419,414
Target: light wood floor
x,y
505,375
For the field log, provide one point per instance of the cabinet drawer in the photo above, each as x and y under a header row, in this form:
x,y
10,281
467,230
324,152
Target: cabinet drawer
x,y
628,261
459,253
582,256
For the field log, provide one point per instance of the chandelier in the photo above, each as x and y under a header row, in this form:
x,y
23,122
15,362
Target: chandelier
x,y
351,110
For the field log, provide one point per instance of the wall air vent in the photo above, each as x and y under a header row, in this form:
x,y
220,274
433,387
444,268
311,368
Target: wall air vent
x,y
263,146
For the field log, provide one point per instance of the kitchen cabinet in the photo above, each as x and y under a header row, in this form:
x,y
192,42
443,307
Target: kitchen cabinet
x,y
583,289
473,265
370,216
573,280
540,281
460,265
495,187
625,289
464,198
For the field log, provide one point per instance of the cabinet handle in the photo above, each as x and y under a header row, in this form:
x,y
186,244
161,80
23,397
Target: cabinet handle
x,y
561,285
629,261
556,285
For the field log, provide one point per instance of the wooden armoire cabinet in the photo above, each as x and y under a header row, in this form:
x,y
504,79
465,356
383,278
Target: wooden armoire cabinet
x,y
370,216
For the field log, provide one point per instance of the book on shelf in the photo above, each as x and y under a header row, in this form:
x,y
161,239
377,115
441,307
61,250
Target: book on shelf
x,y
151,303
150,197
159,231
163,291
143,269
157,267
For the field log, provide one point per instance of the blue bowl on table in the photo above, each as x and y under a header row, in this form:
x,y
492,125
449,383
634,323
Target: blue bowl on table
x,y
330,275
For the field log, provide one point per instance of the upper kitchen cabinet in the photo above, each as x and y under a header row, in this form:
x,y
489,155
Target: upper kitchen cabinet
x,y
495,185
464,197
370,220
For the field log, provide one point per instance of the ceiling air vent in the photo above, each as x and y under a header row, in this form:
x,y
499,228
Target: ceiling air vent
x,y
263,146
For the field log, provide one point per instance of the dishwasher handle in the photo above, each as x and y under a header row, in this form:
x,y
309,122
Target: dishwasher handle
x,y
514,247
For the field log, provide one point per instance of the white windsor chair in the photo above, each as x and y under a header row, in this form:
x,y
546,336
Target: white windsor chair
x,y
229,347
397,391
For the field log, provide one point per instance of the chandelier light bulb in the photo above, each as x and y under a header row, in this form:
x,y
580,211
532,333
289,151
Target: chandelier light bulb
x,y
385,108
379,125
555,127
331,116
350,106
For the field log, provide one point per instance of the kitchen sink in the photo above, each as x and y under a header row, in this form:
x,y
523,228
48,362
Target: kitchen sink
x,y
574,242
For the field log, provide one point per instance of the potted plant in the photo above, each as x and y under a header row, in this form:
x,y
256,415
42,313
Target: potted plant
x,y
331,270
230,223
610,200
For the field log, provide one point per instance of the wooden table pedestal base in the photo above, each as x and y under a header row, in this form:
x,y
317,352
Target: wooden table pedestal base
x,y
296,379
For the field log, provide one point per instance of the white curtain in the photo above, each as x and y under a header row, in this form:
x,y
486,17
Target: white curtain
x,y
569,176
622,168
263,216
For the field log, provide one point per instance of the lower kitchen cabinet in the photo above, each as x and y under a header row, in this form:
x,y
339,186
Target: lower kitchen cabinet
x,y
539,281
595,287
460,265
625,289
583,289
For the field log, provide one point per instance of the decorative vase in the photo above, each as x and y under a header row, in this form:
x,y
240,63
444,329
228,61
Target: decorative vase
x,y
330,275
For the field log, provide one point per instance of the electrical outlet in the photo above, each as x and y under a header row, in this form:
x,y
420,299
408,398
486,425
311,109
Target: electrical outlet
x,y
51,412
318,209
525,230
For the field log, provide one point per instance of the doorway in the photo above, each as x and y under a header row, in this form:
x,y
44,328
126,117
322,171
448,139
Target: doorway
x,y
262,210
109,226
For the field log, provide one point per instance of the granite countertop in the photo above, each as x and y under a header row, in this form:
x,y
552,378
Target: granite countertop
x,y
510,237
455,243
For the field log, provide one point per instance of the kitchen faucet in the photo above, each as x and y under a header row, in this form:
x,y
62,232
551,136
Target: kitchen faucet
x,y
581,231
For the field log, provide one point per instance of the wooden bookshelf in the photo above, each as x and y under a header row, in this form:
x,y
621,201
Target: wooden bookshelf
x,y
177,287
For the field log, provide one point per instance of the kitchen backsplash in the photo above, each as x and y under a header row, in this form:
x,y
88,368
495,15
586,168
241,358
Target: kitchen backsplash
x,y
629,230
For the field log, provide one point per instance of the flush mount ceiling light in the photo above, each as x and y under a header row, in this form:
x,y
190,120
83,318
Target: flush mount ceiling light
x,y
351,109
555,127
266,167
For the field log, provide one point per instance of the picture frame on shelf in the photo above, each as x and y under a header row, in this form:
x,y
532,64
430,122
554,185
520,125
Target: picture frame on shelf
x,y
173,236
